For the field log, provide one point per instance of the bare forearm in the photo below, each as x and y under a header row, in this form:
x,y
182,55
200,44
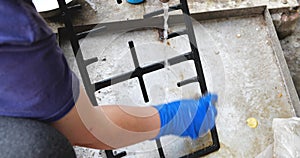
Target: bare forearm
x,y
125,125
135,119
107,127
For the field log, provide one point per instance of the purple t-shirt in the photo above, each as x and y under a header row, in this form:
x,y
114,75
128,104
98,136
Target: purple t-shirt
x,y
35,80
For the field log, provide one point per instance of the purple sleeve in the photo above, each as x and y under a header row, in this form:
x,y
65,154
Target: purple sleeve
x,y
36,81
20,23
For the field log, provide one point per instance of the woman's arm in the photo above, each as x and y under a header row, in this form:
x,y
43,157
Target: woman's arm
x,y
108,127
113,126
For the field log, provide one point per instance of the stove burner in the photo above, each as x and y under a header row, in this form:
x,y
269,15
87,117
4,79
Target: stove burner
x,y
140,71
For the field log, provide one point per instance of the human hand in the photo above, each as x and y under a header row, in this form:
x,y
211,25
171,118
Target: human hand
x,y
192,118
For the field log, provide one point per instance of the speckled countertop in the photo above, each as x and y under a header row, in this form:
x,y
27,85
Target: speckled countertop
x,y
100,11
96,11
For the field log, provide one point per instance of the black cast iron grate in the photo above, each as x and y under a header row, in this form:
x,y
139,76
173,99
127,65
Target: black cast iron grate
x,y
140,71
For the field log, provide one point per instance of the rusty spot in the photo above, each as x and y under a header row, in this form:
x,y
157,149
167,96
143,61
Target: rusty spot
x,y
168,43
279,95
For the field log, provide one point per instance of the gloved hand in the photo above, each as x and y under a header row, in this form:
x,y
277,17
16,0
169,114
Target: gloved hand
x,y
135,1
192,118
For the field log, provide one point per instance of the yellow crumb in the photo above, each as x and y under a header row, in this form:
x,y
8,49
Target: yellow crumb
x,y
252,122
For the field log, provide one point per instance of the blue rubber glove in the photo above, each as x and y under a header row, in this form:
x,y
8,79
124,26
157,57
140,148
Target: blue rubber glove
x,y
135,1
192,118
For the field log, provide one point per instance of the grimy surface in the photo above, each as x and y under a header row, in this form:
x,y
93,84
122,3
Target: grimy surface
x,y
100,11
291,49
239,63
